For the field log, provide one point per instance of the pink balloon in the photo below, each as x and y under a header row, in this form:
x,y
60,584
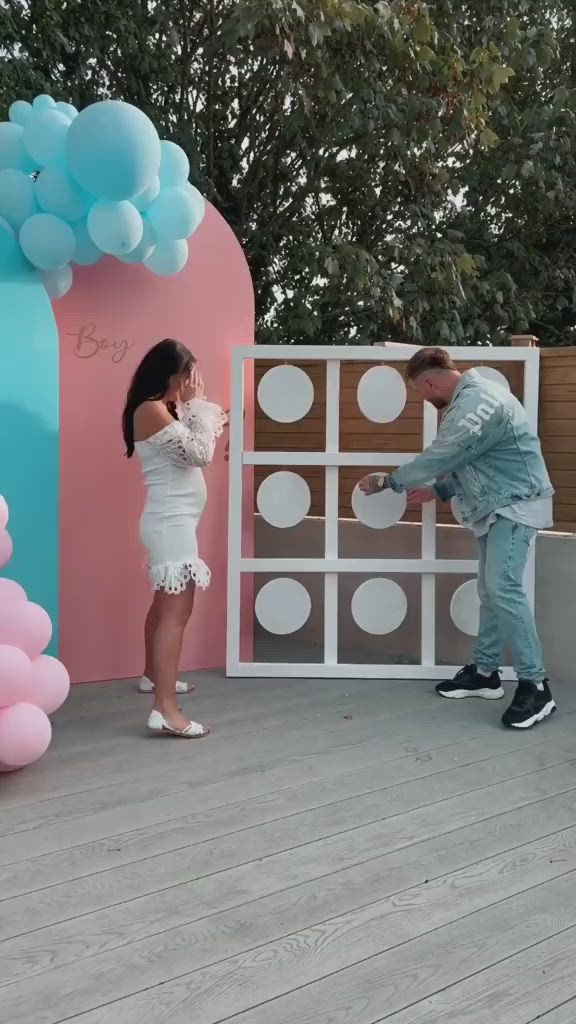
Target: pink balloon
x,y
5,547
49,683
15,675
4,513
25,625
25,734
11,591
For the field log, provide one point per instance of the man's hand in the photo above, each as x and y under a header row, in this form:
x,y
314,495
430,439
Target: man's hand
x,y
373,483
420,496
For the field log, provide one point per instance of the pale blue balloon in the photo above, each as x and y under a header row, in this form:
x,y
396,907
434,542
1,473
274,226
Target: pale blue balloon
x,y
143,201
5,226
145,247
44,102
47,241
11,256
68,109
86,254
176,213
168,258
57,282
199,202
57,193
116,228
174,164
45,137
20,112
17,199
113,150
13,152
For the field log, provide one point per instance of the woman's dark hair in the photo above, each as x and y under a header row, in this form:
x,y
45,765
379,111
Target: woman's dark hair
x,y
151,381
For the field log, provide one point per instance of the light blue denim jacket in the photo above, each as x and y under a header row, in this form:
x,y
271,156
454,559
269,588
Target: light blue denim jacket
x,y
484,454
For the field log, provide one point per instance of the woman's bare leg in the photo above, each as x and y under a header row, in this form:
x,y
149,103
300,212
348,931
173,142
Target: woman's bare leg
x,y
149,633
169,617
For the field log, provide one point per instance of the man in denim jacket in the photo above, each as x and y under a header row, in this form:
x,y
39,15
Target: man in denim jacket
x,y
486,457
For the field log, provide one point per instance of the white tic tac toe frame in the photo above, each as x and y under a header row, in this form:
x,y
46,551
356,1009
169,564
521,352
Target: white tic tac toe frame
x,y
331,458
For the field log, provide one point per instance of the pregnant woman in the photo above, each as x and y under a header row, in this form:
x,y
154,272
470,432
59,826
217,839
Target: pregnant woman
x,y
173,430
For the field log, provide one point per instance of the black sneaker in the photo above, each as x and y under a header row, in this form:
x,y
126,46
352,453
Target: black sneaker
x,y
469,683
530,706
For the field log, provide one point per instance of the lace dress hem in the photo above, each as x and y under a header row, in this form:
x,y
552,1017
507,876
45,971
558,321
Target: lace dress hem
x,y
174,577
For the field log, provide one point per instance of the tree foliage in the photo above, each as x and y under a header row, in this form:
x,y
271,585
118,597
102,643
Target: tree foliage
x,y
392,169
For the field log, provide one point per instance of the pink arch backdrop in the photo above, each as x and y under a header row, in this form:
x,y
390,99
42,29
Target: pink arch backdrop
x,y
112,315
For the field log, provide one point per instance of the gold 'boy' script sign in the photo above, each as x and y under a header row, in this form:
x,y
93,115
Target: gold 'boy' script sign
x,y
87,344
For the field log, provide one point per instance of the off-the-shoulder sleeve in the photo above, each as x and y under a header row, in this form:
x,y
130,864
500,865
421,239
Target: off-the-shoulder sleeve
x,y
191,441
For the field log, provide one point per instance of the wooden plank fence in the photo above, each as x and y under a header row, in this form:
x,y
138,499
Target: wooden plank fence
x,y
557,419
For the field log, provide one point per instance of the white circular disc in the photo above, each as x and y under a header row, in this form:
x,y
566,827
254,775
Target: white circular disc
x,y
282,606
381,394
465,608
285,393
283,499
379,606
378,510
494,375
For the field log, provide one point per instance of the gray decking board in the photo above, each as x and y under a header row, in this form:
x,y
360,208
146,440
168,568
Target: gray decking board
x,y
368,823
299,865
451,765
565,1014
92,765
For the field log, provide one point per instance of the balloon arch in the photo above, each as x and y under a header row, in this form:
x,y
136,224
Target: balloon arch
x,y
76,186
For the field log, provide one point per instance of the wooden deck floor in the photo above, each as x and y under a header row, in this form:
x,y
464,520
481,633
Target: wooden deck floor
x,y
335,853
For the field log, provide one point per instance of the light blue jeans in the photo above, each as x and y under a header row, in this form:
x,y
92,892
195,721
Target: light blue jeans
x,y
506,618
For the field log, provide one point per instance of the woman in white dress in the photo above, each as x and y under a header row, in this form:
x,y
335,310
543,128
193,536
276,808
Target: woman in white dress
x,y
173,430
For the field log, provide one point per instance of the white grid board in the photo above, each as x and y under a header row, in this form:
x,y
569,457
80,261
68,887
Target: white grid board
x,y
428,566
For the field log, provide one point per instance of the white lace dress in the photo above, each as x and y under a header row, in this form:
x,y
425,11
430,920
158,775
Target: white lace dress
x,y
176,494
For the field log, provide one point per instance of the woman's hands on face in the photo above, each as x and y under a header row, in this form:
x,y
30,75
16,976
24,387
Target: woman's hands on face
x,y
193,387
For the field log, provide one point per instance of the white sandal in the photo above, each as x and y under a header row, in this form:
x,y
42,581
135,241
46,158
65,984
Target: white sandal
x,y
158,725
146,685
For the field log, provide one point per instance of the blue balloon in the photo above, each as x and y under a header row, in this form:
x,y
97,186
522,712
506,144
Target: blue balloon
x,y
176,213
113,150
198,200
57,193
145,247
68,110
57,282
20,112
174,164
45,136
47,241
143,201
17,199
168,258
116,228
86,254
5,226
44,102
12,149
11,256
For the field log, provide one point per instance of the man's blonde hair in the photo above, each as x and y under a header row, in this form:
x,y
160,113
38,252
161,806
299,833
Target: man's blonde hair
x,y
426,359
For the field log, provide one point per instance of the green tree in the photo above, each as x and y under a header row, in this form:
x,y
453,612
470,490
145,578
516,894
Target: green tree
x,y
392,169
518,215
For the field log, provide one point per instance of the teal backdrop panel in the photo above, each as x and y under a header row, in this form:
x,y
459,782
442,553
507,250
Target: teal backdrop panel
x,y
29,381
